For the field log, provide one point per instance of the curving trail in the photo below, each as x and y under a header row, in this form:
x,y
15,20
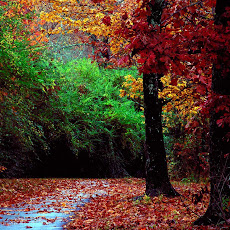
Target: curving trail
x,y
97,204
44,203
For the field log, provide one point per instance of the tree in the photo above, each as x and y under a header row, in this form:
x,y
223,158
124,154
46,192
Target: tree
x,y
107,17
90,23
178,38
186,44
219,156
157,179
184,127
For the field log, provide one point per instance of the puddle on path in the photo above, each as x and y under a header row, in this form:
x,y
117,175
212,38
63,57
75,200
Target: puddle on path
x,y
50,212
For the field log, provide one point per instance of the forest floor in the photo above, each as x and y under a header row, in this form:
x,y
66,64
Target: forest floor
x,y
97,204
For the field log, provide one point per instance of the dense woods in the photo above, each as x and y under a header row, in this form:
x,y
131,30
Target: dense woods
x,y
114,89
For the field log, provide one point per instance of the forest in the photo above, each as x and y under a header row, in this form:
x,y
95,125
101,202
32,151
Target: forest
x,y
120,108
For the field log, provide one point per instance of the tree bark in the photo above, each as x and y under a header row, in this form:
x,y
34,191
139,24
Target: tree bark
x,y
219,146
157,179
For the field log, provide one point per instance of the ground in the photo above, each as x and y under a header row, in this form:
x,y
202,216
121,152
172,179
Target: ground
x,y
110,203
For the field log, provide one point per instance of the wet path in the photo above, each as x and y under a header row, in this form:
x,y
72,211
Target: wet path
x,y
52,211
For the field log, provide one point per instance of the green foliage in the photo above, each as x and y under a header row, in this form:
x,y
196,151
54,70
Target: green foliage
x,y
226,203
147,199
21,84
45,101
89,98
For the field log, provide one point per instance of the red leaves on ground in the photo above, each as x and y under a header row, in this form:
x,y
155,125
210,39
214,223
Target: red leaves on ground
x,y
122,209
114,203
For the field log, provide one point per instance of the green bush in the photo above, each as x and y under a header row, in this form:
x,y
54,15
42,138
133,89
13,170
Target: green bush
x,y
22,83
95,114
45,102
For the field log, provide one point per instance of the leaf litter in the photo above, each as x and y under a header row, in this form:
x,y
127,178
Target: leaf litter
x,y
114,203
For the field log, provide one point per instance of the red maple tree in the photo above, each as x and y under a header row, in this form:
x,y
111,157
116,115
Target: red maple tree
x,y
185,38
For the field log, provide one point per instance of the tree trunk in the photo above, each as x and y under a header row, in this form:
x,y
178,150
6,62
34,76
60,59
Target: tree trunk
x,y
157,179
219,146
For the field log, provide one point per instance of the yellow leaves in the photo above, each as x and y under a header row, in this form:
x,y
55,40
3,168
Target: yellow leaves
x,y
86,16
183,98
29,2
117,44
133,87
122,93
43,15
100,15
57,30
65,9
85,20
50,17
165,79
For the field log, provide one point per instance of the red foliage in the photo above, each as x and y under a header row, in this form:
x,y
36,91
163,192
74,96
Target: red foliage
x,y
174,81
186,43
121,209
107,20
97,1
3,3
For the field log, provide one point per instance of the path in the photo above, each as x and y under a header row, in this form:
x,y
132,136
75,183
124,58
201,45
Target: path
x,y
51,211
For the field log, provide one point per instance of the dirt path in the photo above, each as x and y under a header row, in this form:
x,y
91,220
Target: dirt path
x,y
96,204
44,203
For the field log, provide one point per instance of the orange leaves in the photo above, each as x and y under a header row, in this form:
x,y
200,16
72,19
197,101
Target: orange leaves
x,y
2,168
100,19
37,38
132,87
114,203
126,208
28,27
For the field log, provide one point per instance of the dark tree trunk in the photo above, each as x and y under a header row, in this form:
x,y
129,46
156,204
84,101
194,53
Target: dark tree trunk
x,y
219,146
157,179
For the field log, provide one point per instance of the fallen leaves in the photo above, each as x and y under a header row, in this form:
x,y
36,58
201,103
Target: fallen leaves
x,y
43,200
125,207
114,203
